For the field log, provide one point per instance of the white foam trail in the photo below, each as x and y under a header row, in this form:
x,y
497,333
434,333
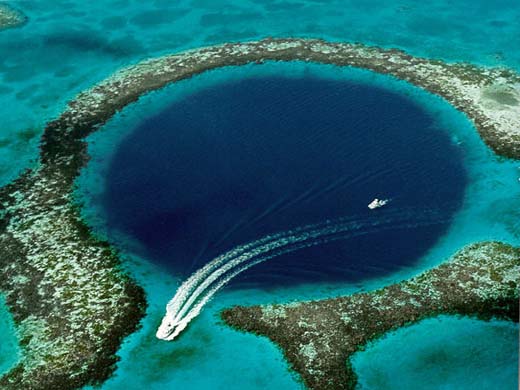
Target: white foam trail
x,y
200,287
273,244
187,286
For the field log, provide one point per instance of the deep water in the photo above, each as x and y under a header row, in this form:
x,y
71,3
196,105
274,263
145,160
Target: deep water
x,y
206,355
240,160
66,46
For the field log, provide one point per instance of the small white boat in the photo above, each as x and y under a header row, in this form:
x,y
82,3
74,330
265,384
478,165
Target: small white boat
x,y
376,203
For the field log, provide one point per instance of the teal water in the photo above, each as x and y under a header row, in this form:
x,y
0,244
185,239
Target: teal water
x,y
68,45
9,347
442,353
206,355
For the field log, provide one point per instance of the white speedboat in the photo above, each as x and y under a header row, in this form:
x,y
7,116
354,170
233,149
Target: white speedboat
x,y
376,203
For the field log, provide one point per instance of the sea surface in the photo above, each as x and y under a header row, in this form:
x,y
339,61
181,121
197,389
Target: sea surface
x,y
9,347
442,353
68,46
139,161
245,159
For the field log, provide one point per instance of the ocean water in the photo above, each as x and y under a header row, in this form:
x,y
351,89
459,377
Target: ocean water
x,y
9,347
442,353
245,159
69,45
206,356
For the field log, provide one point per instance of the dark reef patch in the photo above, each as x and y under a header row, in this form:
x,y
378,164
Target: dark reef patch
x,y
11,17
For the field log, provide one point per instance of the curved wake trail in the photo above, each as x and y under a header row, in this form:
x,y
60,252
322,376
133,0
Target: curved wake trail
x,y
201,286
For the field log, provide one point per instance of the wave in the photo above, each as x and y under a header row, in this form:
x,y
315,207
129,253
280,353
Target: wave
x,y
196,291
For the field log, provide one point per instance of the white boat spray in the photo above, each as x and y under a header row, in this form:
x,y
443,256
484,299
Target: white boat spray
x,y
194,293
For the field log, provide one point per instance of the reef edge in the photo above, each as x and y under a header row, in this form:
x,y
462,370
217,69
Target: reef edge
x,y
71,299
318,338
11,17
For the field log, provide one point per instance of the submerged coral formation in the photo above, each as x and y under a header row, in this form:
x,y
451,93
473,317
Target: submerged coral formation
x,y
319,337
9,17
72,302
488,96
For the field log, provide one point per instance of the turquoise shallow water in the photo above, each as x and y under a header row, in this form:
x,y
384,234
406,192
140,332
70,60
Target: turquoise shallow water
x,y
69,45
206,355
442,353
9,348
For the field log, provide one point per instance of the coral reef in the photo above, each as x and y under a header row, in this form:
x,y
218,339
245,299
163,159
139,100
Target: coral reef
x,y
10,17
488,96
319,337
70,298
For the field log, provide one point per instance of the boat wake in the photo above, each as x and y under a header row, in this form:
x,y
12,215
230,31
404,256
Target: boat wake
x,y
195,292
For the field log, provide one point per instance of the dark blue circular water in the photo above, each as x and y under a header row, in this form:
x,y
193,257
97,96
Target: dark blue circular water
x,y
240,160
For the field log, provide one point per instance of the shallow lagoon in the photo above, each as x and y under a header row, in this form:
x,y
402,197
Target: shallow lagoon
x,y
208,349
69,45
442,353
9,347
